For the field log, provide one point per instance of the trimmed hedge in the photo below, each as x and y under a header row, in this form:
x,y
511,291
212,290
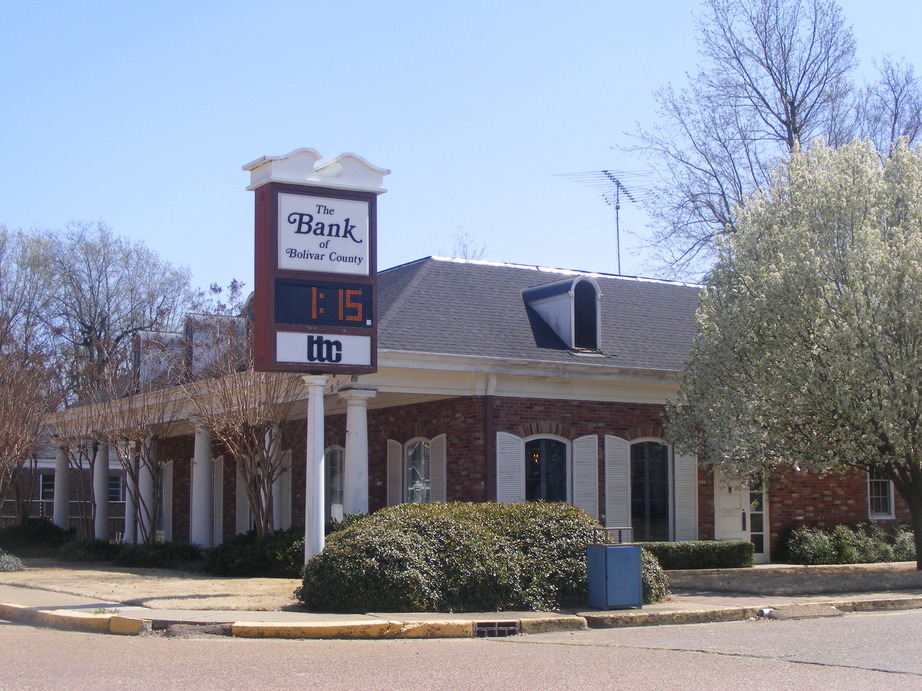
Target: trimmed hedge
x,y
456,557
162,555
866,543
277,555
9,562
89,550
34,536
702,554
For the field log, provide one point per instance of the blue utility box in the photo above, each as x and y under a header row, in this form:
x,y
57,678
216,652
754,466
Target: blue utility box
x,y
615,580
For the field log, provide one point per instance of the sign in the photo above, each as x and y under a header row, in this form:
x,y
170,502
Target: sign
x,y
323,235
315,302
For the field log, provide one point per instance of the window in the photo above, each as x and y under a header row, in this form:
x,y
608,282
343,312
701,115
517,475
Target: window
x,y
115,488
585,309
418,471
545,470
46,487
333,467
880,496
650,491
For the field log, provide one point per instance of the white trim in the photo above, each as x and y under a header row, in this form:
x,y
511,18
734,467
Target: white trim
x,y
881,516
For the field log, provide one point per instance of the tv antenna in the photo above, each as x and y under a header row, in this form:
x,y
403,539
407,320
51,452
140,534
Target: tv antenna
x,y
611,185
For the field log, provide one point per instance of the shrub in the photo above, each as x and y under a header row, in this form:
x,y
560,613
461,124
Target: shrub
x,y
35,535
655,580
163,555
277,555
89,550
861,544
336,526
454,557
702,554
8,562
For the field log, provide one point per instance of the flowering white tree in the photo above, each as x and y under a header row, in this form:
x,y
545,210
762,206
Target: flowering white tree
x,y
809,350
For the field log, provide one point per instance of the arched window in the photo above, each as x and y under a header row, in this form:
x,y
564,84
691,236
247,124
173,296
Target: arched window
x,y
418,471
545,470
333,460
585,316
650,490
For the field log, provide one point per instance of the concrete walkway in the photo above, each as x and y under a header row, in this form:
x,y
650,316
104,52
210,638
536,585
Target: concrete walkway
x,y
686,605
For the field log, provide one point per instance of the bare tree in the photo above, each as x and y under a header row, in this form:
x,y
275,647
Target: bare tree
x,y
464,246
775,75
245,410
24,406
891,109
107,289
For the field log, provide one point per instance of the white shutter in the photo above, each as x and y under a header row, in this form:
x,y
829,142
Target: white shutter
x,y
510,468
166,478
242,504
218,500
685,512
617,482
394,472
586,474
438,469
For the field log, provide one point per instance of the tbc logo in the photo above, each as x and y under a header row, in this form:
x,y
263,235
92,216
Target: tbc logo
x,y
319,349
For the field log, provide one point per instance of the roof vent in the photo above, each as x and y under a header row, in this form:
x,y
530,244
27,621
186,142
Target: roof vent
x,y
573,310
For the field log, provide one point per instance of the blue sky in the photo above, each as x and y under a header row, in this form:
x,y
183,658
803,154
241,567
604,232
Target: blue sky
x,y
141,114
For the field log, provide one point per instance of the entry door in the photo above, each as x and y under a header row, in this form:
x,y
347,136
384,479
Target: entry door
x,y
741,514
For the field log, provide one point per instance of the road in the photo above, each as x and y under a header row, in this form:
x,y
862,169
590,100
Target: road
x,y
868,651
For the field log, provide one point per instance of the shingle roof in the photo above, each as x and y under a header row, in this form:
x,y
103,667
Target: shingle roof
x,y
470,308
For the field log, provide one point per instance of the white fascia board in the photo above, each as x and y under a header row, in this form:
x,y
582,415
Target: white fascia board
x,y
533,368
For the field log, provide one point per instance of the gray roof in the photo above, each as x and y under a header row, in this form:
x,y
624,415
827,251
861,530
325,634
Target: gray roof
x,y
469,308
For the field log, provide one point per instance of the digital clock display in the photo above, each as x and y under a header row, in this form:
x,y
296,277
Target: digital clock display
x,y
327,303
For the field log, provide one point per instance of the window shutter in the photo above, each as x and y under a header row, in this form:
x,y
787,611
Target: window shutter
x,y
510,468
394,472
438,469
242,504
586,474
685,468
167,478
218,489
617,482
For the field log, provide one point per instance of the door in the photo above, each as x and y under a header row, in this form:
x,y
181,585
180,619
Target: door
x,y
741,514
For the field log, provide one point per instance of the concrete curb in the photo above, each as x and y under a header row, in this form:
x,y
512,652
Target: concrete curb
x,y
115,623
74,620
449,628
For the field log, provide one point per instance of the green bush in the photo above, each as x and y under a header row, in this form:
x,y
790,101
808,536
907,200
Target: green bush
x,y
8,562
861,544
655,580
702,554
162,555
277,555
454,557
336,526
35,535
89,550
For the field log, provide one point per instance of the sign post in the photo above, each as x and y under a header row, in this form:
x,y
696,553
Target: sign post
x,y
315,300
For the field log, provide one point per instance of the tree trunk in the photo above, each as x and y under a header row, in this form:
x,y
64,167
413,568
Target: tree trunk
x,y
915,511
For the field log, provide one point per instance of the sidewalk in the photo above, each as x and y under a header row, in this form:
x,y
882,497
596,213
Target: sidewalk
x,y
46,607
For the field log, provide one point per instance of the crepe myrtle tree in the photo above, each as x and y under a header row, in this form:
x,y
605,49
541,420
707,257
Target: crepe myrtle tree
x,y
809,345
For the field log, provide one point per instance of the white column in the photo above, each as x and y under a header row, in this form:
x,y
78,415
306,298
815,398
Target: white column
x,y
101,492
146,495
131,512
314,500
61,514
201,529
355,471
274,446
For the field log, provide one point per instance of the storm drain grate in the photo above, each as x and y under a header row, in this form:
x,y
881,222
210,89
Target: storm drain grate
x,y
496,629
